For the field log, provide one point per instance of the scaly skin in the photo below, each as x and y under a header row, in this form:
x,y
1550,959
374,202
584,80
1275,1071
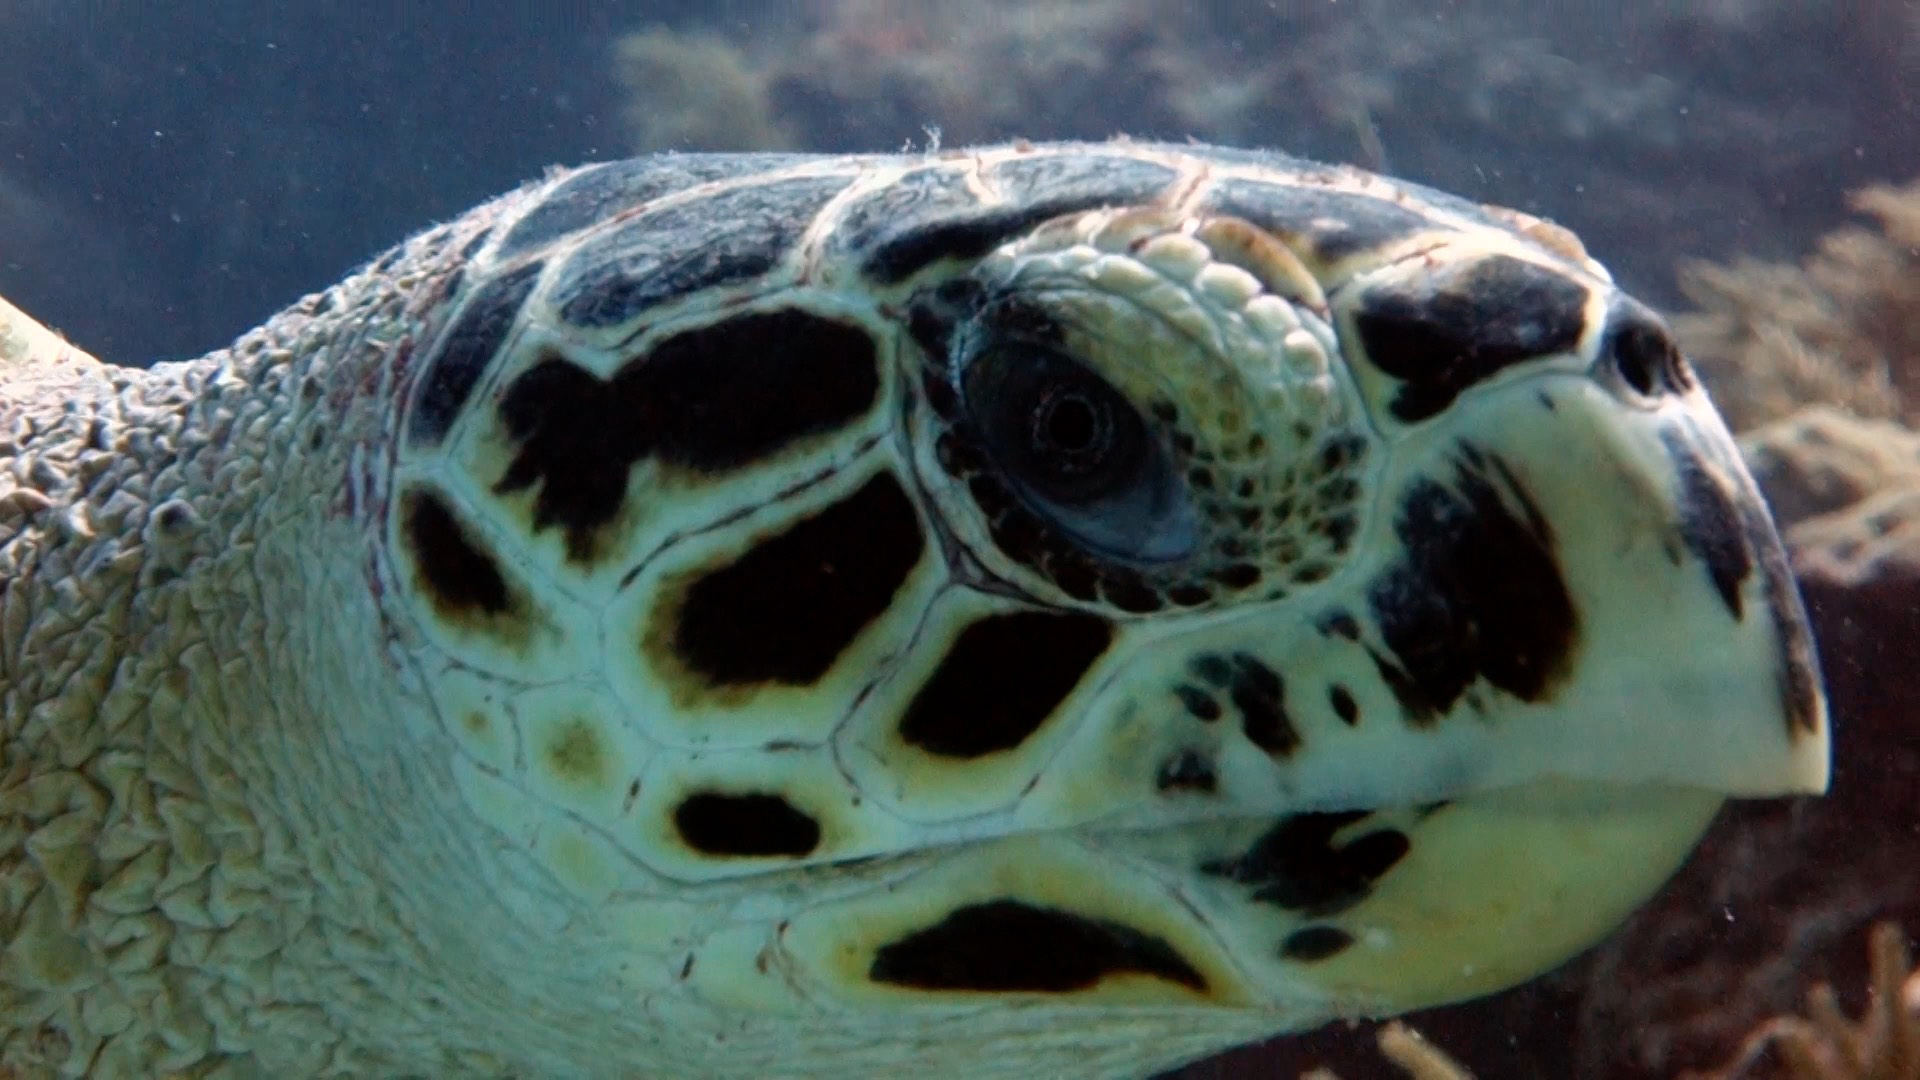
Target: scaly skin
x,y
197,864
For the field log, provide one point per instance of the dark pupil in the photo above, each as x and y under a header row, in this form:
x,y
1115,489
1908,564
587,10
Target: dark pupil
x,y
1070,431
1060,430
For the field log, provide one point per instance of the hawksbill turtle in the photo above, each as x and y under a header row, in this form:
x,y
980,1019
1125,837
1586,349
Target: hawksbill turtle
x,y
1035,610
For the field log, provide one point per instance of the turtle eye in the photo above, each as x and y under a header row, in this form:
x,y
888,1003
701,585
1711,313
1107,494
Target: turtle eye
x,y
1077,451
1059,428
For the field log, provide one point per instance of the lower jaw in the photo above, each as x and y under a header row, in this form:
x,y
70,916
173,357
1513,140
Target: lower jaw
x,y
1310,917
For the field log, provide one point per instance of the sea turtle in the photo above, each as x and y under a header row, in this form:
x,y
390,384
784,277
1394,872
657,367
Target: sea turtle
x,y
1036,610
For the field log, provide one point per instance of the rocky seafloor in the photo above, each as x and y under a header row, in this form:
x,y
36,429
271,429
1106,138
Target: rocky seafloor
x,y
1729,158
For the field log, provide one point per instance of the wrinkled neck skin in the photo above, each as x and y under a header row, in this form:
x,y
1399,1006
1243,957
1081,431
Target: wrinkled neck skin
x,y
230,832
218,839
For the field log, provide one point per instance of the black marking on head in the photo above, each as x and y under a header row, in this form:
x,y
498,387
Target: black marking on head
x,y
1261,696
1187,770
1338,623
734,236
1416,706
1256,690
966,236
917,200
1038,189
601,192
1201,704
786,609
1731,533
1190,595
1000,681
1340,451
1642,353
1214,668
1296,866
932,315
455,570
1131,595
459,360
1007,946
733,393
1343,704
1441,332
1711,524
1311,944
712,399
1478,595
1076,174
1334,223
735,825
1800,695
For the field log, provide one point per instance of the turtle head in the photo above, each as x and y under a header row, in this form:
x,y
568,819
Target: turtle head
x,y
1072,579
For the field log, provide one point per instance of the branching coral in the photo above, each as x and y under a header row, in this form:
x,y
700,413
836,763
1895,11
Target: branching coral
x,y
1825,1044
1417,1057
1410,1050
1843,328
1884,1044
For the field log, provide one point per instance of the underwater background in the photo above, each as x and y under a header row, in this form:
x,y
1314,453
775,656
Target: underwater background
x,y
172,174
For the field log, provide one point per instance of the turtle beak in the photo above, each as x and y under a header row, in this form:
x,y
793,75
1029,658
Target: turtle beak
x,y
1583,571
1573,573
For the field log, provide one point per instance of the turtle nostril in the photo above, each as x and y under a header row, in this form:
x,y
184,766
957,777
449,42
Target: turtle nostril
x,y
1643,355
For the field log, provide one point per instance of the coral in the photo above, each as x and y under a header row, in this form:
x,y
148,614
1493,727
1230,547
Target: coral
x,y
1417,1057
1884,1044
1844,490
1408,1049
1842,328
1876,539
1822,459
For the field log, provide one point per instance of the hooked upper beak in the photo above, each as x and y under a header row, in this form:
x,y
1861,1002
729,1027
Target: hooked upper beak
x,y
1576,573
